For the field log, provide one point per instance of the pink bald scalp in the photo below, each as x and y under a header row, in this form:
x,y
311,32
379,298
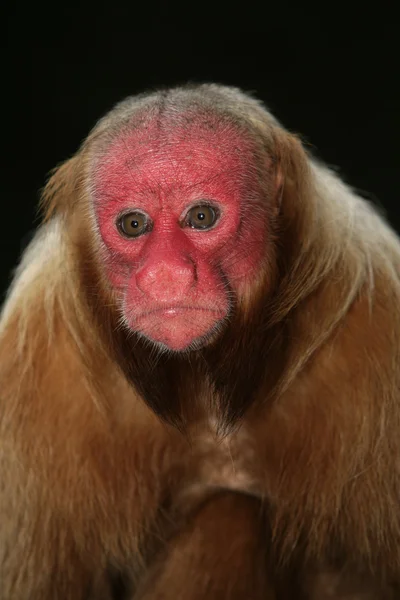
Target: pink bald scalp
x,y
175,283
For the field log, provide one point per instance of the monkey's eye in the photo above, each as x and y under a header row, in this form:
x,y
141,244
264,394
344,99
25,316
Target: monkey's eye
x,y
202,216
133,224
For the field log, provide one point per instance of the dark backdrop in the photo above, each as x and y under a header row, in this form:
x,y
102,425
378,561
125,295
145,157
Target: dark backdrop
x,y
330,75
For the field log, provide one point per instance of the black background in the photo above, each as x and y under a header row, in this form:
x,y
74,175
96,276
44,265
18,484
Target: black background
x,y
330,75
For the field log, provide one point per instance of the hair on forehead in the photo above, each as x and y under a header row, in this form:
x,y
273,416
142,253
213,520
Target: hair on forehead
x,y
228,104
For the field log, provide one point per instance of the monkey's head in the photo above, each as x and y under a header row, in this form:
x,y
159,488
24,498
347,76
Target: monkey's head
x,y
180,205
184,189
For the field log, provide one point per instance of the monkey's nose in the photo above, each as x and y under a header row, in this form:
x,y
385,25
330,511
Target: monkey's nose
x,y
166,281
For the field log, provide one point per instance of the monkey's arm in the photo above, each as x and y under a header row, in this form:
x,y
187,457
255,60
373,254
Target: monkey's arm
x,y
221,553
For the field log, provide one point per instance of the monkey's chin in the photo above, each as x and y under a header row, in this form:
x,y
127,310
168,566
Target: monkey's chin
x,y
180,330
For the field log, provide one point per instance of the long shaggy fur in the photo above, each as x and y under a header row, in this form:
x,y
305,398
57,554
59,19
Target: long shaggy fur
x,y
304,385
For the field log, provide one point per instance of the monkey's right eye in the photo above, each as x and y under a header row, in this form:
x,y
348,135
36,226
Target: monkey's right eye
x,y
133,224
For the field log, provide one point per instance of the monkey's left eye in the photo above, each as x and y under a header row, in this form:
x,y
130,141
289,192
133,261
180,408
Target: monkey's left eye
x,y
133,224
202,216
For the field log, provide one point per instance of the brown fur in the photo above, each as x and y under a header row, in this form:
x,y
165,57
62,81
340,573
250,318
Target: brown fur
x,y
297,403
194,566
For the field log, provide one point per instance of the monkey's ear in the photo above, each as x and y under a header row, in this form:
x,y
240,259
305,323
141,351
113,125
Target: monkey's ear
x,y
291,161
291,165
62,188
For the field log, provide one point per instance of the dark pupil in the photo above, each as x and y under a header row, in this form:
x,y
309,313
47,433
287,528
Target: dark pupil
x,y
201,216
134,224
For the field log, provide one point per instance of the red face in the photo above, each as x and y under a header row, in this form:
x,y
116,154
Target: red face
x,y
179,214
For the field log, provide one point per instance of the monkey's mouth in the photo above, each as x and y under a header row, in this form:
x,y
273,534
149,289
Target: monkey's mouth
x,y
178,327
179,310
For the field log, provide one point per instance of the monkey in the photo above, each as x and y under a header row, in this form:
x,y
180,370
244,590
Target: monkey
x,y
199,367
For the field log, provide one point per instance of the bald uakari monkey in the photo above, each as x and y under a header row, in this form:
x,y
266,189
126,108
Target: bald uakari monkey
x,y
200,369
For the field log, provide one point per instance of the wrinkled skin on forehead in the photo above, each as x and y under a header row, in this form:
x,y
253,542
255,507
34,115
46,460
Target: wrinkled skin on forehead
x,y
176,284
